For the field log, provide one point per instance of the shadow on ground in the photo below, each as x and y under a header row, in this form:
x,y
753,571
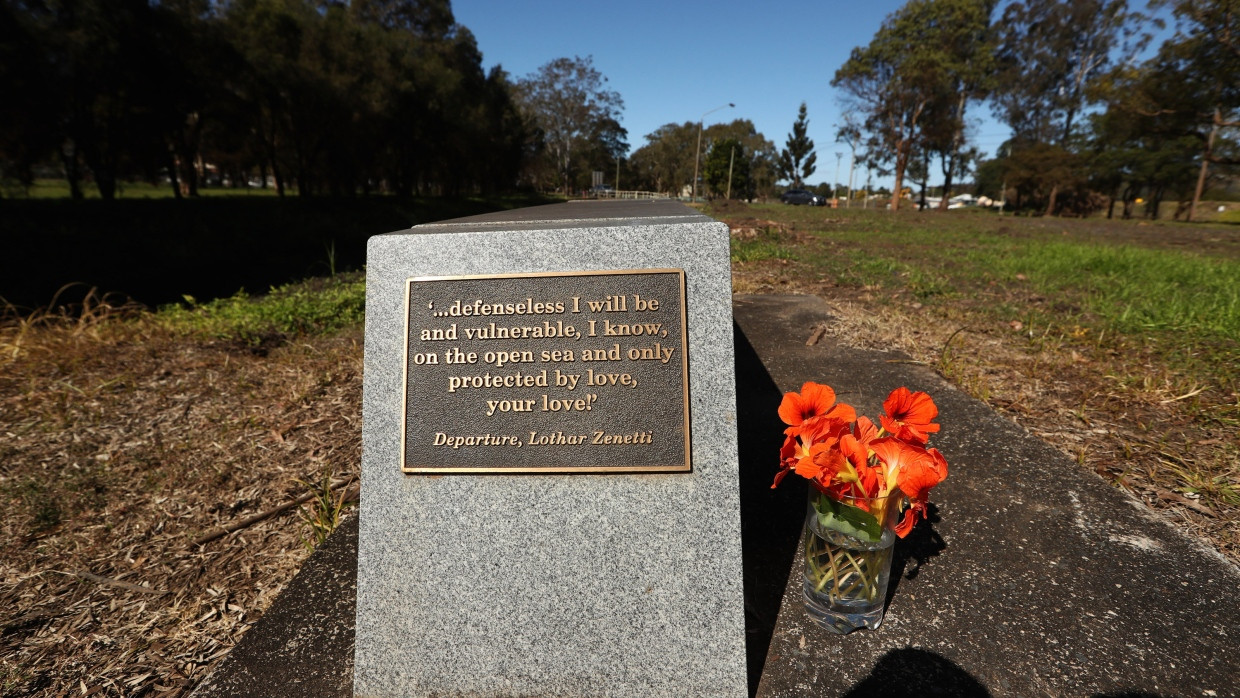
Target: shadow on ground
x,y
914,673
771,520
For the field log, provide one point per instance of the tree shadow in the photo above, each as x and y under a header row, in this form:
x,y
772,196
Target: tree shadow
x,y
771,520
914,673
921,544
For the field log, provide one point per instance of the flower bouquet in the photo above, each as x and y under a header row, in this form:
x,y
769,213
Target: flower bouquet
x,y
869,484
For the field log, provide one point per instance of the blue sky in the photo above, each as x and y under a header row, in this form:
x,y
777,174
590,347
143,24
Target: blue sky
x,y
673,61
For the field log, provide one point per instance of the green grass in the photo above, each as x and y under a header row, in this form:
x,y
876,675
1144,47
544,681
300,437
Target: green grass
x,y
758,250
1131,289
1183,304
317,306
59,189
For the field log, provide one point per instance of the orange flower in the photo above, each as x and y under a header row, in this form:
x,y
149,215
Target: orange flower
x,y
917,478
815,401
843,456
856,444
798,449
913,471
909,415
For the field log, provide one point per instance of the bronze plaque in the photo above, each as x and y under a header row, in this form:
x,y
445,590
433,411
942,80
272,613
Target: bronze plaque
x,y
569,372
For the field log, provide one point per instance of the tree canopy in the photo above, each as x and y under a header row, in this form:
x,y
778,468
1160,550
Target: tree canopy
x,y
1090,124
797,159
577,116
338,98
665,162
911,84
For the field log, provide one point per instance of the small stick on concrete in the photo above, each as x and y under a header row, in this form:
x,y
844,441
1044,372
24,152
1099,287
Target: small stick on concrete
x,y
819,331
251,520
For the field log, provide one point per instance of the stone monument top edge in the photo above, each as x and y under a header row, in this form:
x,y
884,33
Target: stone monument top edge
x,y
571,214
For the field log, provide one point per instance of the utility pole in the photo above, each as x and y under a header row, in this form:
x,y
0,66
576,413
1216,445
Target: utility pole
x,y
835,183
731,161
852,160
697,160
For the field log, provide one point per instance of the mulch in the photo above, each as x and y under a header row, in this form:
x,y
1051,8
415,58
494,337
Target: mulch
x,y
121,446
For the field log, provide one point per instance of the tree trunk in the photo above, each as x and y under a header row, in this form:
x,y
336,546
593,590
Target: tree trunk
x,y
1111,207
950,163
1151,209
947,186
1205,165
1050,205
901,163
73,172
106,183
277,175
173,179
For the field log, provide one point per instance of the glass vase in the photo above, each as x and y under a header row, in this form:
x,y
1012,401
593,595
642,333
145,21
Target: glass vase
x,y
848,544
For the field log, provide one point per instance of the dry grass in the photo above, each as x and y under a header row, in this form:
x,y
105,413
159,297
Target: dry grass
x,y
120,443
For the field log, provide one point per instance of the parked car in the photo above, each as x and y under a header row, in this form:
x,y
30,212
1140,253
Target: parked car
x,y
797,197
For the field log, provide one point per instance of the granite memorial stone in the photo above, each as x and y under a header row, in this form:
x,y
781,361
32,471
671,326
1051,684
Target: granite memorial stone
x,y
550,500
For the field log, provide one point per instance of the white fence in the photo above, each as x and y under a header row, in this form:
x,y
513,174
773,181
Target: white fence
x,y
613,194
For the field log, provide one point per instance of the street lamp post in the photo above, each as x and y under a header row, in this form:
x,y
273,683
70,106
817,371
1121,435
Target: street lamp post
x,y
698,158
835,185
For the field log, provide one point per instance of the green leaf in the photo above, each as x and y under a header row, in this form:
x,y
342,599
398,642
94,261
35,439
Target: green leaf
x,y
847,519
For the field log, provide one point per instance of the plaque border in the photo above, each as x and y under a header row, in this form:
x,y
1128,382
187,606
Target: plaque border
x,y
686,467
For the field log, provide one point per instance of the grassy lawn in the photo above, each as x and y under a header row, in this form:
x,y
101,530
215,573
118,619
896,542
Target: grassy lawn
x,y
1185,303
59,189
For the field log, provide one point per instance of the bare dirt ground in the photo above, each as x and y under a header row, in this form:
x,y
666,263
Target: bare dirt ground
x,y
121,445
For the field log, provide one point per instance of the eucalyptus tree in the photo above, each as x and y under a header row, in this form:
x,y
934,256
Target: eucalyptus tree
x,y
968,39
911,85
31,110
1200,64
665,162
763,159
726,169
1050,53
567,100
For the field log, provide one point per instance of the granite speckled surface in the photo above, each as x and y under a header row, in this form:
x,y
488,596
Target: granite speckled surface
x,y
542,584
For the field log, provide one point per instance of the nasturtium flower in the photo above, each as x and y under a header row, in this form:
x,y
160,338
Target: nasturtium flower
x,y
856,443
912,470
909,416
814,402
849,459
797,452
